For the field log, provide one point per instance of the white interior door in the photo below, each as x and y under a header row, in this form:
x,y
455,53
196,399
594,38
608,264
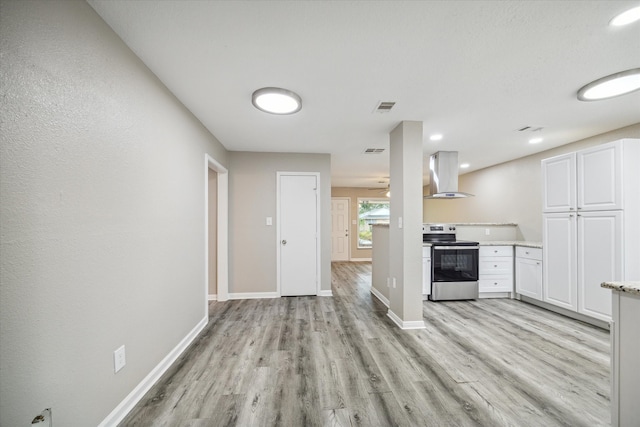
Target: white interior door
x,y
339,229
298,233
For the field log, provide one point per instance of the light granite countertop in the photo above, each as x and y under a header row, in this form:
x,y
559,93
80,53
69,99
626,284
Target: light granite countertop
x,y
512,243
629,287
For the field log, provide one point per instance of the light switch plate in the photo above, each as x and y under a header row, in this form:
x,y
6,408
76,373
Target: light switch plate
x,y
119,359
269,220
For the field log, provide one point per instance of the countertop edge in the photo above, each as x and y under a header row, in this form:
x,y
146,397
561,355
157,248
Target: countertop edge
x,y
628,287
521,243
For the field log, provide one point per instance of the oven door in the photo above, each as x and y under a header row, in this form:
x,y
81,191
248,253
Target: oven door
x,y
454,263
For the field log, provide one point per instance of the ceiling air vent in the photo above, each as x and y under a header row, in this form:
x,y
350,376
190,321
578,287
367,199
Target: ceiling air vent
x,y
384,107
530,129
373,150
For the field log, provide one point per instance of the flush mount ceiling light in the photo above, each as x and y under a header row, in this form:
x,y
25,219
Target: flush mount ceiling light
x,y
611,86
535,140
464,165
276,100
625,18
436,137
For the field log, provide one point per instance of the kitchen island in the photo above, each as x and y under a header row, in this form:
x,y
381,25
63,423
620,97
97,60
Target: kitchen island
x,y
625,353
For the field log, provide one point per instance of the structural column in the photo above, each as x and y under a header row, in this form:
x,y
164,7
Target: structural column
x,y
405,228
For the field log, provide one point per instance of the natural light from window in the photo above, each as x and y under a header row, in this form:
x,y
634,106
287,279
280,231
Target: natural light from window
x,y
370,212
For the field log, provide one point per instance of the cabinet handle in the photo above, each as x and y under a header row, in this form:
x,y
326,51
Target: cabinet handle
x,y
495,283
495,266
570,209
537,263
571,216
526,252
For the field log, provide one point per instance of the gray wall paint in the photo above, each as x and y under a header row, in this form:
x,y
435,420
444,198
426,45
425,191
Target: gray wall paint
x,y
510,192
405,243
252,189
102,215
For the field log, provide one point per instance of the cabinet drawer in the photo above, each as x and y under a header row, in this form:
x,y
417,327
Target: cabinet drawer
x,y
496,266
495,285
529,253
496,251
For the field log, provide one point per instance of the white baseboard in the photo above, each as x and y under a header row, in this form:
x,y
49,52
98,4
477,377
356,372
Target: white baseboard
x,y
121,411
360,260
324,293
417,324
253,295
376,293
212,297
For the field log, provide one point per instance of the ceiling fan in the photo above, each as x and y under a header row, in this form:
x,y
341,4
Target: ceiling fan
x,y
384,190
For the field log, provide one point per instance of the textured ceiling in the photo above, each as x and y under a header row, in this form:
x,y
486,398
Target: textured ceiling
x,y
475,71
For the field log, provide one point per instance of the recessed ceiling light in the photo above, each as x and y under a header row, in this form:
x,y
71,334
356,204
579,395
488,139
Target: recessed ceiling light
x,y
436,137
464,165
535,140
275,100
625,18
610,86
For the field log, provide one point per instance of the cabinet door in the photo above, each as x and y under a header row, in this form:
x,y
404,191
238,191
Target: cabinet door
x,y
560,260
600,177
559,183
599,260
426,276
529,277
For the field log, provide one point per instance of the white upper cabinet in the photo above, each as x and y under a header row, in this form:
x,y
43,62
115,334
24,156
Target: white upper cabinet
x,y
589,179
600,177
559,183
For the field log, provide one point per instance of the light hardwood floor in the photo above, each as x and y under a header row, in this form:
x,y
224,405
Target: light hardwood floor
x,y
339,361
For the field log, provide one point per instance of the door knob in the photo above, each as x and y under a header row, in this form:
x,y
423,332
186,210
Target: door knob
x,y
284,242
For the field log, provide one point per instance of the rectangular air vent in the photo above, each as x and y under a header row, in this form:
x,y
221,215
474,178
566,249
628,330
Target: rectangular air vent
x,y
384,106
373,150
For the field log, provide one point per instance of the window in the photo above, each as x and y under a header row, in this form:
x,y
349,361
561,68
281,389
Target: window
x,y
370,212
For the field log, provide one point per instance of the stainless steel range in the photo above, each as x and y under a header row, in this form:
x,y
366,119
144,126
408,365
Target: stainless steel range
x,y
454,263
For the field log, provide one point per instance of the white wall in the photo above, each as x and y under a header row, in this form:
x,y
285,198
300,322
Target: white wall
x,y
252,189
101,214
510,192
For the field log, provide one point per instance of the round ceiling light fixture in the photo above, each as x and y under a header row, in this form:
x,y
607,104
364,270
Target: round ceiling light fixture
x,y
436,137
611,86
276,100
464,165
627,17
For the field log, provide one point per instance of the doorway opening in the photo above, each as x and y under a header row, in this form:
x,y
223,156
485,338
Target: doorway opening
x,y
216,231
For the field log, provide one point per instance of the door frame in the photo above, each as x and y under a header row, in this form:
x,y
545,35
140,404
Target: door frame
x,y
348,199
280,174
222,252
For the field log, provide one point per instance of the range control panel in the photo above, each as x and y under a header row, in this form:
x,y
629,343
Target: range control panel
x,y
438,228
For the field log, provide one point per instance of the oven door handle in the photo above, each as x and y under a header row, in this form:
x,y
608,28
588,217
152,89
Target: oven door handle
x,y
457,248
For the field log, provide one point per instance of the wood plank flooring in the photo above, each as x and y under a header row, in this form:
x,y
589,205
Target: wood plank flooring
x,y
339,361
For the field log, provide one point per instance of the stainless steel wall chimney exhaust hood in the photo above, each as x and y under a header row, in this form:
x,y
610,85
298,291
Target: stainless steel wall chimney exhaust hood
x,y
443,167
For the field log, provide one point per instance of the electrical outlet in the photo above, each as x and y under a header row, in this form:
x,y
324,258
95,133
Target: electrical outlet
x,y
487,231
269,220
119,359
394,283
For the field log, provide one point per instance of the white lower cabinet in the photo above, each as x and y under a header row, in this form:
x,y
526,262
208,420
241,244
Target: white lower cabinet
x,y
426,271
529,272
581,251
495,269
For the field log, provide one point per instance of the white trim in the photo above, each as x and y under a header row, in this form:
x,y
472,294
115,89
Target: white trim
x,y
222,216
417,324
253,295
361,259
348,199
376,293
318,229
121,411
212,297
324,293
